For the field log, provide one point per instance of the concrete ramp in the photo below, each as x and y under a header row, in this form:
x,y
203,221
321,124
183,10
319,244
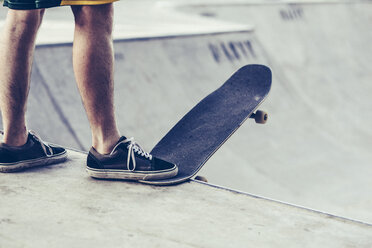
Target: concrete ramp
x,y
60,206
157,81
316,149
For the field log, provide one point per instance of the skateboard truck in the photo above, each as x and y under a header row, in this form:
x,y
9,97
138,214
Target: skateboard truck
x,y
260,116
201,178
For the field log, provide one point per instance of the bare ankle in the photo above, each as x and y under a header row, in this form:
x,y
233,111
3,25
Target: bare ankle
x,y
18,138
106,144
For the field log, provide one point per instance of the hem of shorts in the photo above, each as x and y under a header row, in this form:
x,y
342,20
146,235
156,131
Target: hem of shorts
x,y
25,6
51,4
86,2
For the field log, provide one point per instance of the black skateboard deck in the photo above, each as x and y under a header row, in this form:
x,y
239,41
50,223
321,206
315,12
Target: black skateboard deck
x,y
206,127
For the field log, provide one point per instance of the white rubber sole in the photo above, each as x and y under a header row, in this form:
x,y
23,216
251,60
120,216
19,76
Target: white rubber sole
x,y
26,164
129,175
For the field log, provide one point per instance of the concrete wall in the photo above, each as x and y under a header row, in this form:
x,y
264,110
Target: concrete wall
x,y
315,150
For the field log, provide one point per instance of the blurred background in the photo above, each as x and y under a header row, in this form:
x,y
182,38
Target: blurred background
x,y
315,150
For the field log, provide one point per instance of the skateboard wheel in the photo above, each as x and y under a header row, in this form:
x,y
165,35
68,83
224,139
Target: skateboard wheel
x,y
261,117
201,178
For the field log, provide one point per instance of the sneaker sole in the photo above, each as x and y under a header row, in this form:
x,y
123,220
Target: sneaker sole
x,y
27,164
134,176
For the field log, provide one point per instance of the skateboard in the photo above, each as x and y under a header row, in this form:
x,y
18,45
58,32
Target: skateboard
x,y
207,126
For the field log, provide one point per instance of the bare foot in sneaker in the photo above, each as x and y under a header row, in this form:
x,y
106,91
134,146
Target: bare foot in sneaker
x,y
128,161
32,154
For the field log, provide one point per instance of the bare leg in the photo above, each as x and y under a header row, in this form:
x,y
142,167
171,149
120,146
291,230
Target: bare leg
x,y
16,54
93,66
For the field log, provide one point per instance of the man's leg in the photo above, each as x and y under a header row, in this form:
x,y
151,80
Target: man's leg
x,y
21,150
16,53
93,65
93,62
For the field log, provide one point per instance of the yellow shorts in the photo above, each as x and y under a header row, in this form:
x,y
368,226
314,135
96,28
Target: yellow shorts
x,y
85,2
41,4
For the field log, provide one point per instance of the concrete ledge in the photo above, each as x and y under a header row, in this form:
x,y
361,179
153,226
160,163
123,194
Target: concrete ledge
x,y
133,19
60,206
252,2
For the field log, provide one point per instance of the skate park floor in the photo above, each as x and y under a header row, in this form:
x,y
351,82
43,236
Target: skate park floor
x,y
84,212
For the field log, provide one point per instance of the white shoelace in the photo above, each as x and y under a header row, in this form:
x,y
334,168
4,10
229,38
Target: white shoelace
x,y
43,145
133,148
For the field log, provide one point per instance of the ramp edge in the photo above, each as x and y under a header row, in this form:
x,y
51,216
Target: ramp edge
x,y
325,214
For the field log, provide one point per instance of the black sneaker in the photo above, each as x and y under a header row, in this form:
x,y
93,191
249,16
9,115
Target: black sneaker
x,y
32,154
128,161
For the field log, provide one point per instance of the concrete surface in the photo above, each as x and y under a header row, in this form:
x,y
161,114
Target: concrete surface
x,y
154,77
145,18
60,206
315,150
